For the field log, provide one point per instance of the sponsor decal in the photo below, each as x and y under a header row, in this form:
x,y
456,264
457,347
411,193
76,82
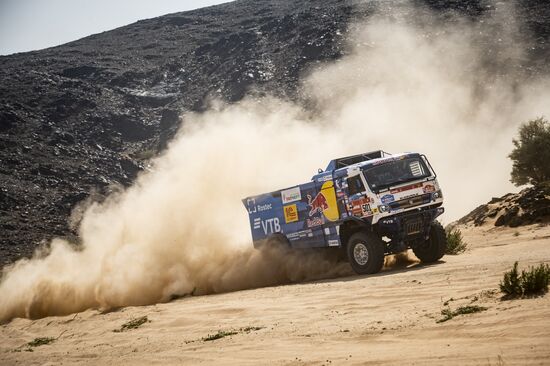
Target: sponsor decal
x,y
291,195
387,198
387,160
324,178
366,208
291,213
299,234
253,208
406,188
251,203
383,161
360,201
265,207
316,221
333,243
429,188
324,202
270,226
318,204
356,211
361,207
257,223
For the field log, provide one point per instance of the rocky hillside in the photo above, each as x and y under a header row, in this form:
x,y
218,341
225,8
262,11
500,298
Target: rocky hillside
x,y
530,206
79,118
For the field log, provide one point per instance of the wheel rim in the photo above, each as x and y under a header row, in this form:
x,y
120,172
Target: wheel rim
x,y
361,254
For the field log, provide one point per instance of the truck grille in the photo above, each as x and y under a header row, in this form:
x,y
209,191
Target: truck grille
x,y
413,227
411,202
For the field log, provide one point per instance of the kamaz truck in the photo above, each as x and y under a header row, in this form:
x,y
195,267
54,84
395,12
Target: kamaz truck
x,y
368,205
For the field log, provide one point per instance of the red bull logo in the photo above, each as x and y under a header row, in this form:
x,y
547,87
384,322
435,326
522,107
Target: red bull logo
x,y
318,204
324,203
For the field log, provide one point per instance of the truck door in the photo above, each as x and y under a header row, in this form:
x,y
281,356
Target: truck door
x,y
359,203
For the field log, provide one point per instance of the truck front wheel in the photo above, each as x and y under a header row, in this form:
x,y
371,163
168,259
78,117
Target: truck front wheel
x,y
365,253
433,248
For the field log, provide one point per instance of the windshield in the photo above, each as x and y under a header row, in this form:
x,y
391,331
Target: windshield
x,y
396,172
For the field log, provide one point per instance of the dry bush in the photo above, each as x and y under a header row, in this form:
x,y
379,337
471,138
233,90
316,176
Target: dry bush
x,y
455,242
530,282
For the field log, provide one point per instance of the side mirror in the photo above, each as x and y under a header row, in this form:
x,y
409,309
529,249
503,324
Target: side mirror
x,y
319,170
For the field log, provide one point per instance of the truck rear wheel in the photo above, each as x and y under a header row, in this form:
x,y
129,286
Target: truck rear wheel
x,y
433,248
365,253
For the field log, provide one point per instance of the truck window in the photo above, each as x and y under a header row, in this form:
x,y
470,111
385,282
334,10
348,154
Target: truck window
x,y
355,185
395,172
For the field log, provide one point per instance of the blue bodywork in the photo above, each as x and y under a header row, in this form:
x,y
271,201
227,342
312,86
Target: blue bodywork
x,y
309,215
303,225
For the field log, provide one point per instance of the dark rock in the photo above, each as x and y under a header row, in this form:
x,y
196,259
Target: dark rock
x,y
73,198
80,117
8,120
178,21
476,215
80,71
531,205
131,128
130,167
507,216
169,119
62,137
46,170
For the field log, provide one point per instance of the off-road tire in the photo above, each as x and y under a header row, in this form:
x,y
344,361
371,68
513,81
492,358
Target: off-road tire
x,y
434,248
362,243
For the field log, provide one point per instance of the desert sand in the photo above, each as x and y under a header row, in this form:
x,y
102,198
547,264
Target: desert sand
x,y
389,318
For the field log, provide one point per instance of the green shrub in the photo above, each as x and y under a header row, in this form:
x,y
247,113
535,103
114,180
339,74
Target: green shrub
x,y
132,324
531,153
535,280
40,341
510,284
455,242
530,282
448,314
220,334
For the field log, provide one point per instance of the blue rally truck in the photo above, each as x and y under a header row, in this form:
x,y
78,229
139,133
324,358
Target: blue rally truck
x,y
368,205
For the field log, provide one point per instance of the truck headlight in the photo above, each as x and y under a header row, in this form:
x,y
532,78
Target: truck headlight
x,y
383,208
437,195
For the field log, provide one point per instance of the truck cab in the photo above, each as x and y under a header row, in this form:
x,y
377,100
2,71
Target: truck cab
x,y
369,205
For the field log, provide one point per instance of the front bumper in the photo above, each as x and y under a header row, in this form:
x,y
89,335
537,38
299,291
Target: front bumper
x,y
409,225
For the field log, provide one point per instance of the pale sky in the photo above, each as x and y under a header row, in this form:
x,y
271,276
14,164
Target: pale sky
x,y
27,25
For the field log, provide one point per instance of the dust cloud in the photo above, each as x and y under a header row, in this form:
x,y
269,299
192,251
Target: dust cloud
x,y
400,260
182,229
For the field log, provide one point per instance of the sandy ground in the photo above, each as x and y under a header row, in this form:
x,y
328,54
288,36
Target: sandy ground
x,y
388,318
